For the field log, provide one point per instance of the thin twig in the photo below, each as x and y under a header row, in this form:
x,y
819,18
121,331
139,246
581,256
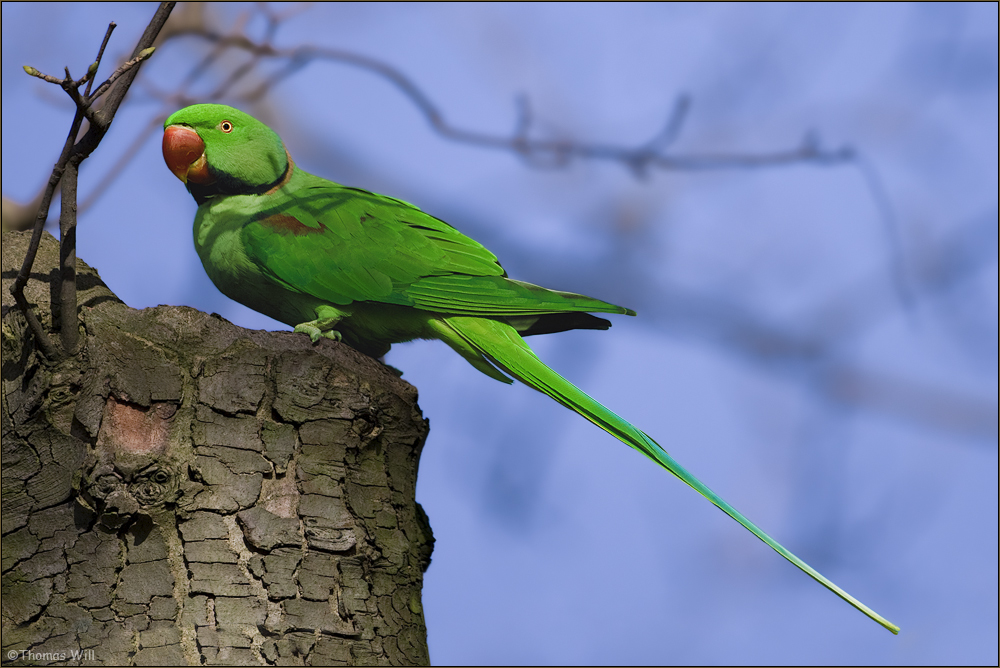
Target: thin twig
x,y
31,71
123,69
92,71
66,169
538,152
891,229
133,149
68,323
17,289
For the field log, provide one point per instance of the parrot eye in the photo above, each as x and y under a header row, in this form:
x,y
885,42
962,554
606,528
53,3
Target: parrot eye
x,y
226,126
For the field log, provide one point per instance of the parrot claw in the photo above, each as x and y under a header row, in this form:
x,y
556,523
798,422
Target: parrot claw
x,y
315,333
312,330
323,326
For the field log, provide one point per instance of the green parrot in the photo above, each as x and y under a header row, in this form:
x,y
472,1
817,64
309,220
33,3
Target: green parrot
x,y
370,270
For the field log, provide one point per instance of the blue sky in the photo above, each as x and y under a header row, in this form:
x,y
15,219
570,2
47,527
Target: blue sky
x,y
827,365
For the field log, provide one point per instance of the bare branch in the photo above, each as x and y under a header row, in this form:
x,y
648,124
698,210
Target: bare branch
x,y
887,215
66,169
92,71
18,216
68,324
906,398
123,69
540,153
123,161
117,93
537,152
17,289
44,77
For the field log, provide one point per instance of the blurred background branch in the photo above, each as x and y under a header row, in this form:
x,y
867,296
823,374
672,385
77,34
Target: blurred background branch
x,y
537,152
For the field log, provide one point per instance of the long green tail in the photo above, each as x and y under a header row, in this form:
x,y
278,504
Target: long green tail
x,y
503,346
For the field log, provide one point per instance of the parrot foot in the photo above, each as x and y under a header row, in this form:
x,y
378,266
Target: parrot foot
x,y
315,333
322,326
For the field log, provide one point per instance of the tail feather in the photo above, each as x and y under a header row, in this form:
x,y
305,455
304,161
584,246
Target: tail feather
x,y
501,345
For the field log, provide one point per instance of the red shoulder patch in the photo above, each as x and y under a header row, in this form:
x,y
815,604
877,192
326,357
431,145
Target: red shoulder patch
x,y
282,222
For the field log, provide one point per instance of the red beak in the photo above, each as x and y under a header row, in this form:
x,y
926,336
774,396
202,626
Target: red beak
x,y
184,153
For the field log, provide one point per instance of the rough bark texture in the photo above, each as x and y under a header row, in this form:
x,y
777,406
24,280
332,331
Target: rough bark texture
x,y
188,492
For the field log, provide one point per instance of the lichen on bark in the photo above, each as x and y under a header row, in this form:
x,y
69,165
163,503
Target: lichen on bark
x,y
185,491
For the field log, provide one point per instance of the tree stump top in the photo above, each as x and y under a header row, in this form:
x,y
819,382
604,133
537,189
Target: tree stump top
x,y
185,491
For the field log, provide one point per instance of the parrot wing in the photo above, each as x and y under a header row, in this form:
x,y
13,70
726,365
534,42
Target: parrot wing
x,y
345,245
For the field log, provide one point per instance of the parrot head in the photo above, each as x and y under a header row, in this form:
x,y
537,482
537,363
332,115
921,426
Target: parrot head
x,y
218,150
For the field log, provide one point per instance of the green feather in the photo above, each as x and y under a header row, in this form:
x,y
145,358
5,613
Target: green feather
x,y
502,346
372,271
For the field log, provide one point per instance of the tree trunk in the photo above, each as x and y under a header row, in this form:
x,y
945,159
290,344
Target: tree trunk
x,y
185,491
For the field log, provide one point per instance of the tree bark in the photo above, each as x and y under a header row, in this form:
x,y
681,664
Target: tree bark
x,y
184,491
